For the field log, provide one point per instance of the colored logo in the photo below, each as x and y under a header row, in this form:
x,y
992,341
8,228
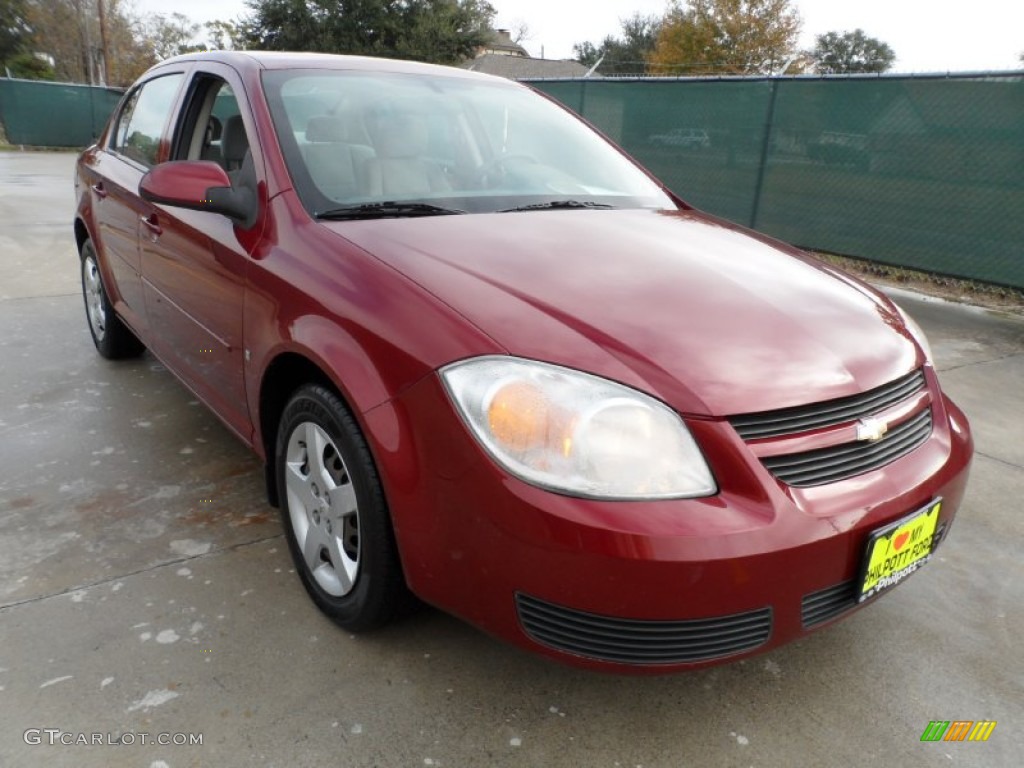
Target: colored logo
x,y
958,730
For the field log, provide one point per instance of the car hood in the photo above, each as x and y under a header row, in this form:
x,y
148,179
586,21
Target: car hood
x,y
712,319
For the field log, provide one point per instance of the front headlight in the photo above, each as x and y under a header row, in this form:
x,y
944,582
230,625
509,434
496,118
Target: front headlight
x,y
575,433
916,332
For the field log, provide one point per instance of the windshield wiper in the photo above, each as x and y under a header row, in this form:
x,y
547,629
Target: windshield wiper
x,y
385,210
556,205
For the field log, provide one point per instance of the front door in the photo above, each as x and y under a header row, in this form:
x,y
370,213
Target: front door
x,y
194,263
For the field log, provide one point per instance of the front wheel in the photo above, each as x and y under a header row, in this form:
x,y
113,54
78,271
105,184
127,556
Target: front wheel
x,y
334,512
112,337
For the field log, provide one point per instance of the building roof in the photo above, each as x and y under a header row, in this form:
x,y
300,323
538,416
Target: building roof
x,y
523,68
501,42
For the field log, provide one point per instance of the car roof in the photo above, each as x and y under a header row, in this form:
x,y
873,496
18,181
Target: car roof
x,y
271,60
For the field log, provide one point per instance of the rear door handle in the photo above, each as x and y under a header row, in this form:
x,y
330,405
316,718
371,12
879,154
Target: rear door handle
x,y
99,190
152,224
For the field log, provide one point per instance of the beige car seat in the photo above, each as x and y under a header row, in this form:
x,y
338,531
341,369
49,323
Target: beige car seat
x,y
399,170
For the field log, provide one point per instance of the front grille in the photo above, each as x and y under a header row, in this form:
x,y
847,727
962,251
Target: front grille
x,y
633,641
818,607
829,465
803,418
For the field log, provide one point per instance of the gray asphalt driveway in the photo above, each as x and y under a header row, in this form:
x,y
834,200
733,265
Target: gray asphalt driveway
x,y
145,588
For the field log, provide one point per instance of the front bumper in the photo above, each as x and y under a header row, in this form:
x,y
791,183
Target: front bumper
x,y
651,586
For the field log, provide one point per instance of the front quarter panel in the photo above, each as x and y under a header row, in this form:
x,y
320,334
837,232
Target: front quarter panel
x,y
369,329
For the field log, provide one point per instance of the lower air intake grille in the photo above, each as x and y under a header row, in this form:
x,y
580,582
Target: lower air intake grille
x,y
829,465
632,641
818,607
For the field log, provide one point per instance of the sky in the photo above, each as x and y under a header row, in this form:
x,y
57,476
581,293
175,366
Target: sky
x,y
927,35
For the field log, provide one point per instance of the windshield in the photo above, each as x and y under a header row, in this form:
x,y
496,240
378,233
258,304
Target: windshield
x,y
353,138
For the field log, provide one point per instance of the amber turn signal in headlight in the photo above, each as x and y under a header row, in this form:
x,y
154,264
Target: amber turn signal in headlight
x,y
576,433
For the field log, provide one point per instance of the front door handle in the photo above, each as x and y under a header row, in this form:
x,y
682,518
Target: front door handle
x,y
152,224
99,190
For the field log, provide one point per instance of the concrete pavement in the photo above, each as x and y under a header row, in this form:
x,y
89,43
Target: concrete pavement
x,y
145,587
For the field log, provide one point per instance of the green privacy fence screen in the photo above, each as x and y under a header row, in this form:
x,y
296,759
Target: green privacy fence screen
x,y
54,114
922,172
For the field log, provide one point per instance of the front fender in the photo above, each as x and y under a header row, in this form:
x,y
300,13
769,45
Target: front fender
x,y
344,316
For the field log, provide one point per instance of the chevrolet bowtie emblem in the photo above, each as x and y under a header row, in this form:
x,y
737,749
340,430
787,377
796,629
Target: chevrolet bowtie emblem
x,y
871,430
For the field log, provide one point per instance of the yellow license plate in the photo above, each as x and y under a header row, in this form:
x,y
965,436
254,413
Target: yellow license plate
x,y
897,550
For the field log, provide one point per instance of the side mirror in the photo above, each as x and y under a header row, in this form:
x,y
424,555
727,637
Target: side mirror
x,y
199,185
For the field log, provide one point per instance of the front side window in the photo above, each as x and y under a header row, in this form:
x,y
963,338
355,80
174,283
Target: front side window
x,y
141,123
353,138
214,128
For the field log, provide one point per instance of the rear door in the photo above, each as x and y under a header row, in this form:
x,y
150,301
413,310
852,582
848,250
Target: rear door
x,y
194,263
135,144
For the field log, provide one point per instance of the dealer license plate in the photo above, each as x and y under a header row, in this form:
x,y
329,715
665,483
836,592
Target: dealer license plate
x,y
897,550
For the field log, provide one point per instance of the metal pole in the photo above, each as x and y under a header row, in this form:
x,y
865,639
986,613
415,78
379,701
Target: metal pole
x,y
103,42
89,53
769,125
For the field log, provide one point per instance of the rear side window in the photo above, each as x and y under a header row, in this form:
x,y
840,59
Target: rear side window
x,y
141,123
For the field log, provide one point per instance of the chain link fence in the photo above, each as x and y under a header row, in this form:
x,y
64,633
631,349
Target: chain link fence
x,y
922,172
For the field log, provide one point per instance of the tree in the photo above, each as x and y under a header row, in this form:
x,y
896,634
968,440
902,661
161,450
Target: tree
x,y
520,32
28,66
168,36
625,55
129,48
59,30
742,37
225,35
441,31
843,53
14,30
68,32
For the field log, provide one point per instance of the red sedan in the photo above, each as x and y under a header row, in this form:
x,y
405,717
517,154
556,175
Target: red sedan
x,y
489,359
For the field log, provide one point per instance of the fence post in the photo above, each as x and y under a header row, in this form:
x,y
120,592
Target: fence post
x,y
768,128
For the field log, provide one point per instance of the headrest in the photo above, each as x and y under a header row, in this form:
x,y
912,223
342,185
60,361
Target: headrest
x,y
397,132
326,128
234,142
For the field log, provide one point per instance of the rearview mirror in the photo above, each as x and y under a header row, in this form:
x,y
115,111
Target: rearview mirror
x,y
199,185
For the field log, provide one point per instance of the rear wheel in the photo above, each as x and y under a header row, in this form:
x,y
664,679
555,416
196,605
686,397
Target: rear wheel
x,y
334,512
112,337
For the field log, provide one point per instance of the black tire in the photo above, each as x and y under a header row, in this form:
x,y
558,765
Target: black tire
x,y
111,336
316,517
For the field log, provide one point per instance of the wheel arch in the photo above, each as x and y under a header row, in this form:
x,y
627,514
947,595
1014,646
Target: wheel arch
x,y
284,374
359,368
81,234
